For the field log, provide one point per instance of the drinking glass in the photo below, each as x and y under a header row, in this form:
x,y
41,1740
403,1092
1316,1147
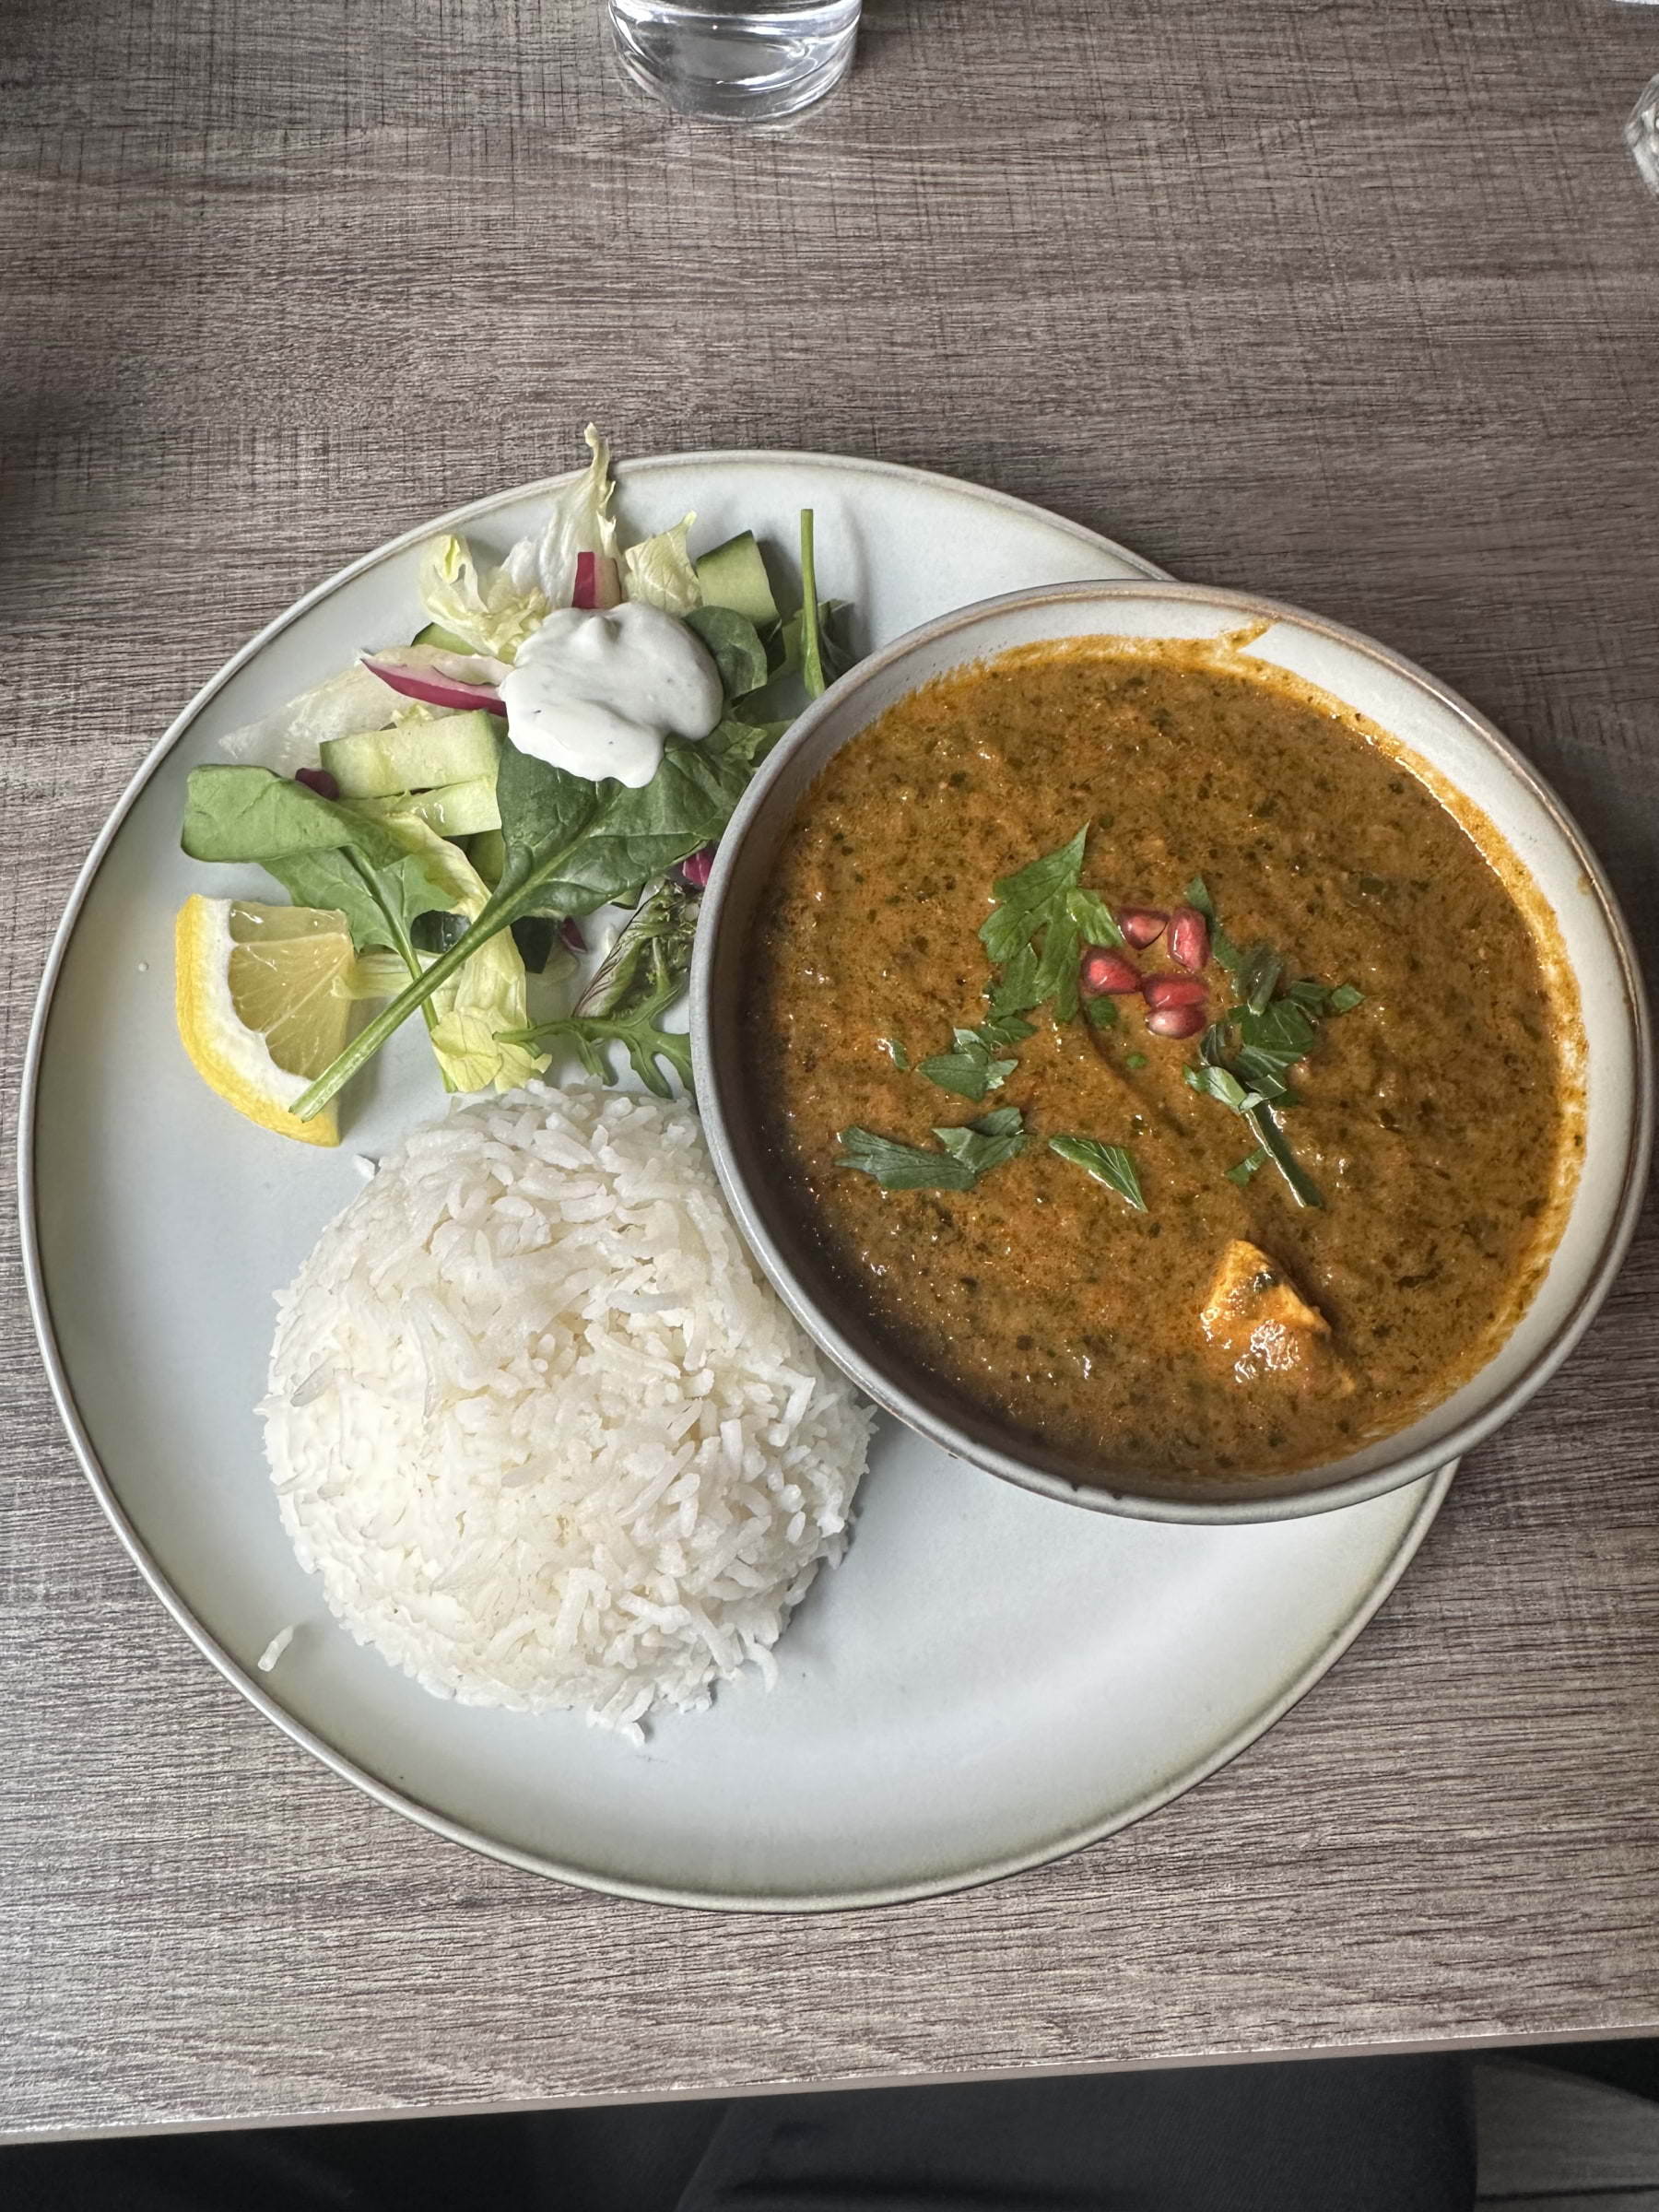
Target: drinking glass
x,y
742,60
1642,135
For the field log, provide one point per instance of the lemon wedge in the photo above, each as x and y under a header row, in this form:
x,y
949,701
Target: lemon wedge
x,y
263,1004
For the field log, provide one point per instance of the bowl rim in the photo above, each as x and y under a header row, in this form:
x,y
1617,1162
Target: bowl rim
x,y
714,1079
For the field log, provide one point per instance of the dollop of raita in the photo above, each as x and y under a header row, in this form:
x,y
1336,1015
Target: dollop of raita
x,y
599,694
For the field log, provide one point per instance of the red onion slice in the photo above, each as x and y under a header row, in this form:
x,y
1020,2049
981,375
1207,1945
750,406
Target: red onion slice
x,y
436,690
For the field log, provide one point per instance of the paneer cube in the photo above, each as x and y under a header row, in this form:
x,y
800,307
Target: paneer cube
x,y
1256,1316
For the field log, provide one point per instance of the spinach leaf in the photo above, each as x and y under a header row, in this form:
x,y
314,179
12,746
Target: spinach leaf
x,y
736,644
571,846
322,854
1109,1164
970,1153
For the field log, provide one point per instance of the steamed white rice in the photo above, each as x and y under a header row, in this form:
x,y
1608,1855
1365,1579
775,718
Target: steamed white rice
x,y
539,1427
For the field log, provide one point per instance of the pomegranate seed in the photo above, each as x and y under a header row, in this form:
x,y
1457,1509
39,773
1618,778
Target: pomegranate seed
x,y
1174,991
1143,925
318,779
1189,937
1103,972
1175,1021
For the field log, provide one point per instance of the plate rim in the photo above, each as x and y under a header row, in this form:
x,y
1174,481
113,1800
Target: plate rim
x,y
935,1884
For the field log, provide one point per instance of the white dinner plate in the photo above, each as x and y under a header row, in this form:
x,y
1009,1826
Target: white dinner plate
x,y
990,1678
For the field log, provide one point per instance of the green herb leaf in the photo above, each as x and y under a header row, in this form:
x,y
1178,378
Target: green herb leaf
x,y
1102,1014
1036,902
1135,1059
640,978
1222,948
1258,977
1345,998
1307,992
1274,1143
1095,922
1248,1166
1283,1031
1015,991
896,1053
1262,1071
970,1153
1109,1164
1223,1084
813,673
1028,899
988,1143
969,1070
736,644
1002,1031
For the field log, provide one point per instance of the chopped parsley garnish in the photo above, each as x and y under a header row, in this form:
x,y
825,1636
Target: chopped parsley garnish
x,y
969,1153
969,1068
896,1053
1109,1164
1244,1058
1036,903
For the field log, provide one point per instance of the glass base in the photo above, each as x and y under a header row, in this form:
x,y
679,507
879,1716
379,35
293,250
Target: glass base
x,y
734,65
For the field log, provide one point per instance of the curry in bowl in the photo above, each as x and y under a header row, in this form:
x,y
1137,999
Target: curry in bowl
x,y
1157,1061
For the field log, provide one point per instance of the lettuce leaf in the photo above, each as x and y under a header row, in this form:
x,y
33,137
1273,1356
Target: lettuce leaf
x,y
486,607
290,737
581,522
487,993
658,571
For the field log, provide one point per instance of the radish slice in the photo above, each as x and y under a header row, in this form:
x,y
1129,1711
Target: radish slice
x,y
1175,1021
699,868
571,934
1142,926
318,779
1104,973
434,689
1173,991
598,583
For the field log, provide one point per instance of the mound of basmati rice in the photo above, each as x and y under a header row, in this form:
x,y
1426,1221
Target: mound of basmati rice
x,y
538,1426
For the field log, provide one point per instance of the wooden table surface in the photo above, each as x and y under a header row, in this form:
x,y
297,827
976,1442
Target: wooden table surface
x,y
1355,303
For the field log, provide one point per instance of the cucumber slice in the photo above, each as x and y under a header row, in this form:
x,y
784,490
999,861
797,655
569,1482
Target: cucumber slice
x,y
446,641
735,575
488,856
453,809
414,755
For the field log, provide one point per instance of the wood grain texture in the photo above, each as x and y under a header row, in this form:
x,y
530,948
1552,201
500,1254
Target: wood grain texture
x,y
1352,304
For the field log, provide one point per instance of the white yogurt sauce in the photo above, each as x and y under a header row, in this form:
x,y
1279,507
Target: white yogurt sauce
x,y
598,694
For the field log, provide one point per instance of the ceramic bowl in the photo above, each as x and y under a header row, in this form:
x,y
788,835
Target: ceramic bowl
x,y
1461,755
